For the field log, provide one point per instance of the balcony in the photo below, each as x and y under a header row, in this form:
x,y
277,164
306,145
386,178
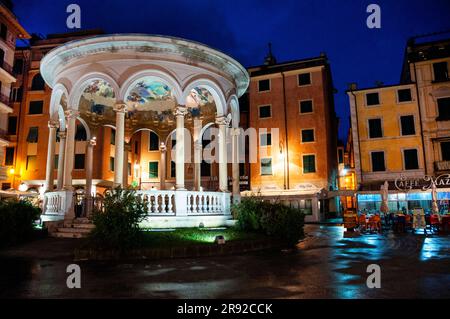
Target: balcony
x,y
6,72
442,166
4,104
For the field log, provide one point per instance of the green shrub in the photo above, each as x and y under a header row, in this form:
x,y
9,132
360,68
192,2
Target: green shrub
x,y
273,219
17,221
117,227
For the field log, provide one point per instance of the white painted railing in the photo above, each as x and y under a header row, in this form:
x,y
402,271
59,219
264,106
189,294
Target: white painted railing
x,y
57,204
186,203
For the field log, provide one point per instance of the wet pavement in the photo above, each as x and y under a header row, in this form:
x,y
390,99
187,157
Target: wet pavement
x,y
326,265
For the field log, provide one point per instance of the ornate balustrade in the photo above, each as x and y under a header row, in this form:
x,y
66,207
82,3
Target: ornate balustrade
x,y
57,204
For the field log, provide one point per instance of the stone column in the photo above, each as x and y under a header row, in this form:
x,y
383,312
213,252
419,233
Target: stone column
x,y
162,165
62,151
198,147
235,165
223,123
180,112
120,109
89,165
52,126
71,117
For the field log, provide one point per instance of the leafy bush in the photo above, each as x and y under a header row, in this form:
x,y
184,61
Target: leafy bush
x,y
273,219
117,226
17,221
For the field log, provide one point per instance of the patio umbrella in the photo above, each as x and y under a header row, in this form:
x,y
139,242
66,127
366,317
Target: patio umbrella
x,y
384,195
434,205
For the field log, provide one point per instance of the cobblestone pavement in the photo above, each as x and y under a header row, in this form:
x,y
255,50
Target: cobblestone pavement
x,y
326,265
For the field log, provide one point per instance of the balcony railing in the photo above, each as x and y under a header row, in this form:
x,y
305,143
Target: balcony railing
x,y
442,166
7,67
4,99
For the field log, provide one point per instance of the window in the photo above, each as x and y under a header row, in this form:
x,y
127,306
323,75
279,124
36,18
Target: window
x,y
98,109
129,168
378,162
266,166
173,167
6,186
136,147
242,169
112,141
16,94
372,99
443,109
154,142
31,162
265,111
36,107
9,156
264,85
153,169
306,106
309,164
375,129
304,79
307,135
79,161
3,31
37,84
12,125
111,164
306,206
18,66
56,161
341,156
411,159
407,123
33,135
440,71
404,95
80,134
445,151
265,139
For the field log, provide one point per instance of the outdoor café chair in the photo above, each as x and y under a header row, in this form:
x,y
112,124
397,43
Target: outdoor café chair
x,y
362,222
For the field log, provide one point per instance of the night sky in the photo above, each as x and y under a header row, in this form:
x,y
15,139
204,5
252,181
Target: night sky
x,y
297,29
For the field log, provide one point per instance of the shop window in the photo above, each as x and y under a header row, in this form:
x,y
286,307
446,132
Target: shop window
x,y
407,123
404,95
12,125
306,106
79,161
265,139
440,71
309,164
33,135
445,151
265,111
372,99
378,162
31,162
307,136
38,83
154,142
375,129
411,159
36,107
264,85
266,166
153,169
304,79
9,156
443,109
111,164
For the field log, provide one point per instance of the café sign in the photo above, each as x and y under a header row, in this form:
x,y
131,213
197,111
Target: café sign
x,y
404,184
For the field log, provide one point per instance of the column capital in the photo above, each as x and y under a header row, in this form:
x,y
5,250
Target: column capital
x,y
162,147
222,120
180,110
62,134
92,142
120,107
53,124
71,113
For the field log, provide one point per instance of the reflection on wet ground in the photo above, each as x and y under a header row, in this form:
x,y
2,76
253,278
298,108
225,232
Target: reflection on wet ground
x,y
326,265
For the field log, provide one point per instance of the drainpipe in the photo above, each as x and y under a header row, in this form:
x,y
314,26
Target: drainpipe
x,y
420,119
286,133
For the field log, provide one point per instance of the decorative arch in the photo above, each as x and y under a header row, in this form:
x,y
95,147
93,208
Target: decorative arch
x,y
86,127
56,109
84,81
213,88
157,76
233,105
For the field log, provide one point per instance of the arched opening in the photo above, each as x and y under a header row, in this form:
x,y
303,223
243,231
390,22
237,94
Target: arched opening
x,y
38,83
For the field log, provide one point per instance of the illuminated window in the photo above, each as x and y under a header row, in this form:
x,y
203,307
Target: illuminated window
x,y
266,166
309,164
264,85
153,169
